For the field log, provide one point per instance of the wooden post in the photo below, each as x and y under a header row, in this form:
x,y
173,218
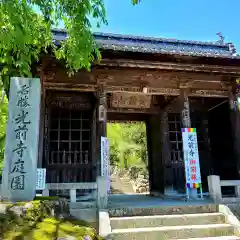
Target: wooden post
x,y
185,111
155,157
186,120
166,152
41,122
101,124
235,121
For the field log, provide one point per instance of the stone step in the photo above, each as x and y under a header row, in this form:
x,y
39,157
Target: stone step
x,y
83,204
162,210
166,220
88,214
173,232
215,238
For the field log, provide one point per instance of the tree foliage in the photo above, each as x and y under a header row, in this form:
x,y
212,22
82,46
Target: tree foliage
x,y
3,122
26,25
25,31
128,146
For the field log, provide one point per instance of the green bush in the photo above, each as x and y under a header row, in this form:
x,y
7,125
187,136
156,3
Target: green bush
x,y
39,219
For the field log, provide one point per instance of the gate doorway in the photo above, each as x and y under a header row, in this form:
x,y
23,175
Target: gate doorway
x,y
222,144
128,157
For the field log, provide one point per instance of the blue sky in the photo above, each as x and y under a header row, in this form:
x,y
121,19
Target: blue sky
x,y
180,19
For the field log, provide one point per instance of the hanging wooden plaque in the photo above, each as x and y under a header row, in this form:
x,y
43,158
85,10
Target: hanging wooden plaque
x,y
130,100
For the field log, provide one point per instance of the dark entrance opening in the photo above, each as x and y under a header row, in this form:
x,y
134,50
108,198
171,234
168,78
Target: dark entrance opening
x,y
221,142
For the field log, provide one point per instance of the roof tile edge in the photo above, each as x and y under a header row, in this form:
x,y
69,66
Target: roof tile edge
x,y
155,39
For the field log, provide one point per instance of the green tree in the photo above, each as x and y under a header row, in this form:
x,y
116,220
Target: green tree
x,y
127,144
3,121
25,32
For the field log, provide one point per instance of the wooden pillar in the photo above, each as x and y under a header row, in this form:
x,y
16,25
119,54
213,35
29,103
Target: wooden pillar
x,y
41,125
166,150
156,166
185,111
101,124
186,119
235,121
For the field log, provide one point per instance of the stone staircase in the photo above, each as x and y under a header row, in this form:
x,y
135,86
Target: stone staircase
x,y
171,222
122,186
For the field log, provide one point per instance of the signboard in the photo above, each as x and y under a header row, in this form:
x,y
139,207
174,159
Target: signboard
x,y
41,179
21,147
191,158
105,163
130,100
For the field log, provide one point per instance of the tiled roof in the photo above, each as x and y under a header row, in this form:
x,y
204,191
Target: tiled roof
x,y
156,45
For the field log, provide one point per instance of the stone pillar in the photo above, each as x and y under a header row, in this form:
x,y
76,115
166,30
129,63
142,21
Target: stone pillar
x,y
21,147
186,121
214,188
102,193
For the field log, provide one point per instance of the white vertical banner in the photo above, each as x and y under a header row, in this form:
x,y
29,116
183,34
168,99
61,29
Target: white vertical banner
x,y
191,158
21,147
105,162
41,179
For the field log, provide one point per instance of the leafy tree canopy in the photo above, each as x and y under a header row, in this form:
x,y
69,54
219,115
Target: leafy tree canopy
x,y
128,145
25,31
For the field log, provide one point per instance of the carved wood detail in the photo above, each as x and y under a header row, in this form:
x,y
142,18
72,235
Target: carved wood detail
x,y
70,86
70,101
134,110
139,90
130,100
209,93
185,111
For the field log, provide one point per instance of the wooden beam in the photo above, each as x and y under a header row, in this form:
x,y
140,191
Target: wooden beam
x,y
70,86
209,93
171,66
131,110
136,90
139,90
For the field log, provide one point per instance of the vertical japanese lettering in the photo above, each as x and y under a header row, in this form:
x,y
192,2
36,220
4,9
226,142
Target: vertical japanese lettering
x,y
192,168
21,122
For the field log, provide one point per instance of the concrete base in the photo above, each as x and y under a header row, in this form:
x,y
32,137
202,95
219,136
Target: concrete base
x,y
104,224
88,215
193,193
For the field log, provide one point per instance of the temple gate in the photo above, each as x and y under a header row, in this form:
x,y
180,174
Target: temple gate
x,y
168,84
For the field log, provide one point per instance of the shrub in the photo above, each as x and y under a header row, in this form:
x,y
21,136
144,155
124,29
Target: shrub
x,y
42,219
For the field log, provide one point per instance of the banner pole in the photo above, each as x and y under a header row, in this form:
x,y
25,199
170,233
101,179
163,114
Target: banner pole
x,y
186,167
201,191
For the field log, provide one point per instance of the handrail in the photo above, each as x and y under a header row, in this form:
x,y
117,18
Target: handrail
x,y
227,183
100,188
72,187
215,191
66,186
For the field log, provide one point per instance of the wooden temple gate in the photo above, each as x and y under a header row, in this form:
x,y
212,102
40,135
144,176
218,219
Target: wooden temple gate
x,y
166,92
